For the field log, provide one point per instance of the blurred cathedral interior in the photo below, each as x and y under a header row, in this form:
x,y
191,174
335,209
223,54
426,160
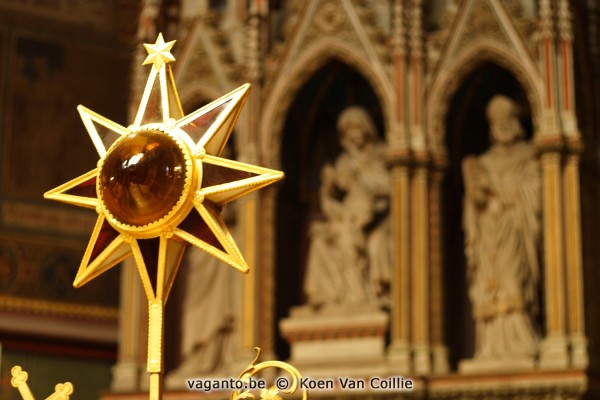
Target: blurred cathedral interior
x,y
439,218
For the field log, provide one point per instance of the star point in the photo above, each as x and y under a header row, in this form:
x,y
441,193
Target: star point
x,y
159,53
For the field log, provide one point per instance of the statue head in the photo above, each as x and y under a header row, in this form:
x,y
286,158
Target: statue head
x,y
503,115
356,128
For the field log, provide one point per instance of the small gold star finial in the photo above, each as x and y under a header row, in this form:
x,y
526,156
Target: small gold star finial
x,y
159,53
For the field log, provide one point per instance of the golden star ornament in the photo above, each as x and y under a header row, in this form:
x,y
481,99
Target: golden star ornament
x,y
160,183
159,53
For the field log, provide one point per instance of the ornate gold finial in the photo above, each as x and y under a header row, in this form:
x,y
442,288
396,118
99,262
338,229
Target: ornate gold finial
x,y
290,387
62,391
146,188
159,53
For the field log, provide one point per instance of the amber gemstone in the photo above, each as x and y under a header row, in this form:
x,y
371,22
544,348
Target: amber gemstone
x,y
143,177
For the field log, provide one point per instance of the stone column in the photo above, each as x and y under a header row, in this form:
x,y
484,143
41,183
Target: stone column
x,y
249,210
399,159
400,349
574,265
265,278
419,198
439,351
571,206
419,257
554,345
247,322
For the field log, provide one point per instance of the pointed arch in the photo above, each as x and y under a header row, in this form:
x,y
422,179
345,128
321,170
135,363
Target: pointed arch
x,y
449,79
288,85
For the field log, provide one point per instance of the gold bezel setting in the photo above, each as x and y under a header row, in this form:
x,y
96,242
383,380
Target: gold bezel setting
x,y
193,179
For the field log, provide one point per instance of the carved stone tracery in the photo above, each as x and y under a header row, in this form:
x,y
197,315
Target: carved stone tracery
x,y
483,23
465,50
308,62
476,54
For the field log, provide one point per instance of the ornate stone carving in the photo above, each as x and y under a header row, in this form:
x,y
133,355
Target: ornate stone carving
x,y
210,54
329,20
199,59
455,75
564,21
545,13
483,23
449,14
379,37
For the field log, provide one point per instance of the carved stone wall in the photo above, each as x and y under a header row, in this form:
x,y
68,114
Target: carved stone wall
x,y
416,56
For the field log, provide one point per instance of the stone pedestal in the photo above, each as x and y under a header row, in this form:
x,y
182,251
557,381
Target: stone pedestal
x,y
579,352
334,341
126,377
440,359
399,358
483,365
553,353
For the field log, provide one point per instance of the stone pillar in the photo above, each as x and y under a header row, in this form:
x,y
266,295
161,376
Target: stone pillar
x,y
249,317
574,265
554,345
571,206
419,257
126,373
399,353
400,349
250,223
246,314
419,198
265,272
439,351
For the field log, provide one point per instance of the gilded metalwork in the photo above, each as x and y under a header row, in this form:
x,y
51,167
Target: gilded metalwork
x,y
159,53
272,393
201,136
146,205
62,391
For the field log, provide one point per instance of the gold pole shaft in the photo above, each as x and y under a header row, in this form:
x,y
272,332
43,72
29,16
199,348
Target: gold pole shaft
x,y
155,348
156,385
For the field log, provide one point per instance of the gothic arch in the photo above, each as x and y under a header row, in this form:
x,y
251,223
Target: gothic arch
x,y
450,76
287,87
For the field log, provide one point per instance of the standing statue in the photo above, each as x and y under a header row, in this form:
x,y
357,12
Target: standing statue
x,y
349,260
502,232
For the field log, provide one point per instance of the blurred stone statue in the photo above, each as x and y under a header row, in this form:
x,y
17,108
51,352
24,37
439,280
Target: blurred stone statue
x,y
207,316
349,259
502,232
